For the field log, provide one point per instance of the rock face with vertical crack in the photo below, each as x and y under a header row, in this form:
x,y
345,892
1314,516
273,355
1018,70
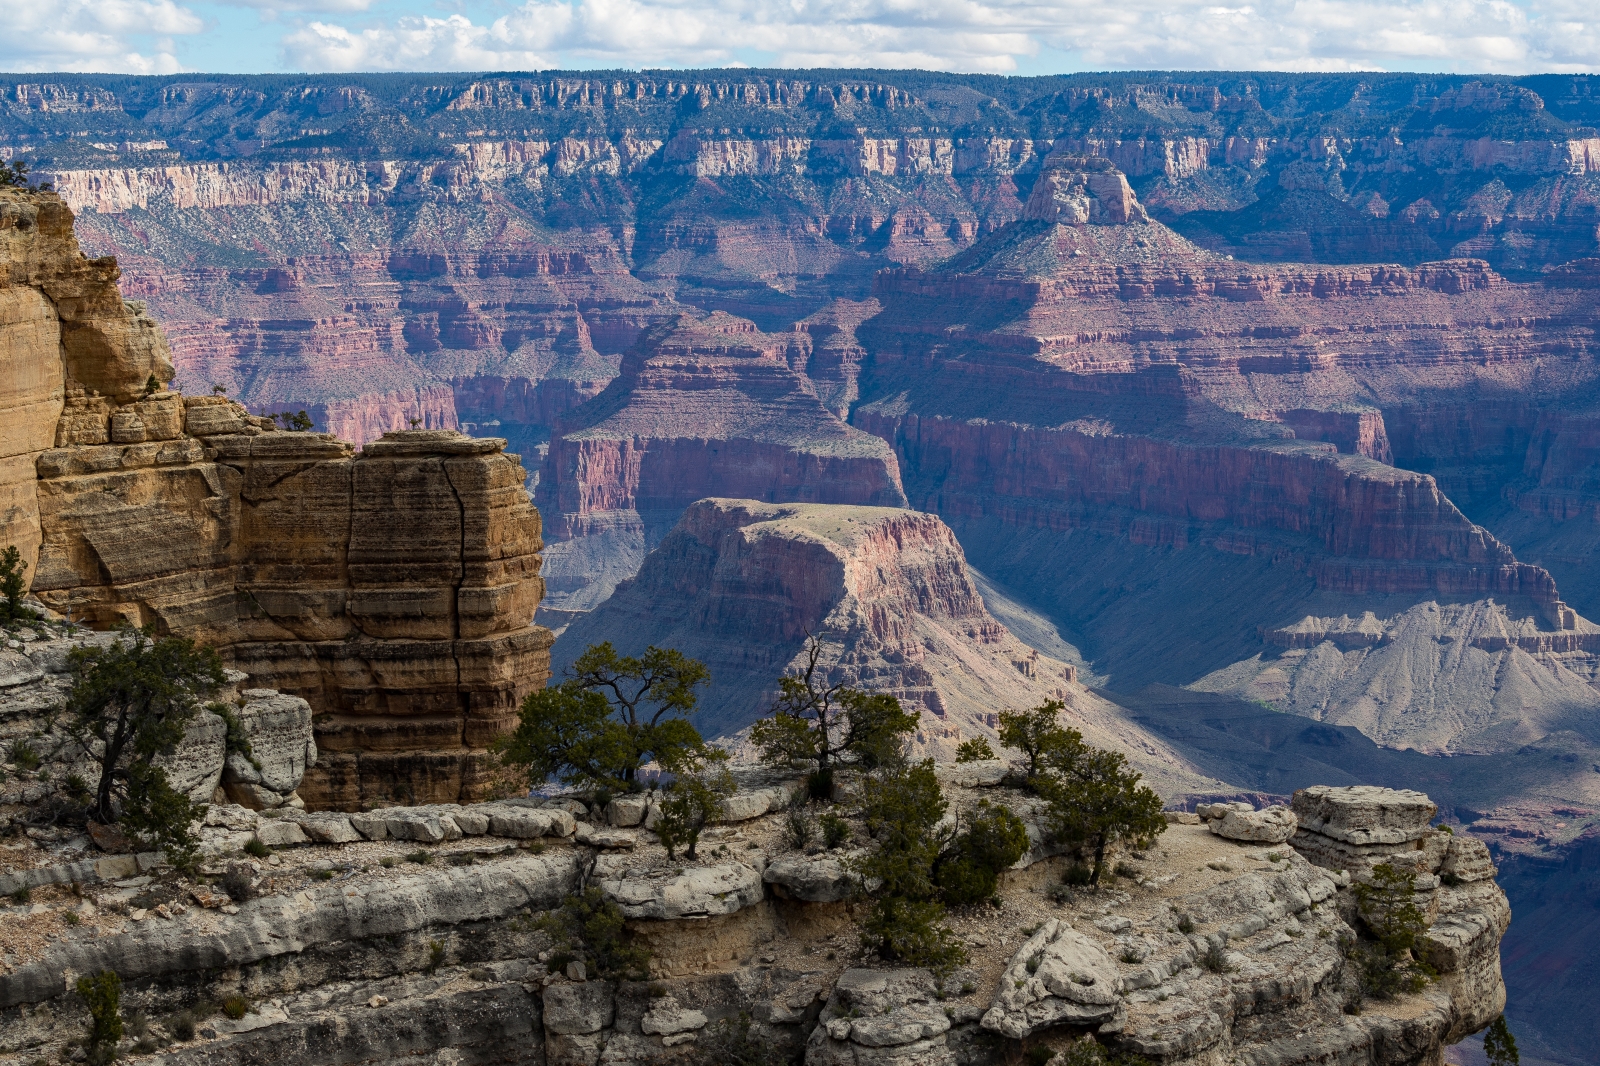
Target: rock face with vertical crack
x,y
392,589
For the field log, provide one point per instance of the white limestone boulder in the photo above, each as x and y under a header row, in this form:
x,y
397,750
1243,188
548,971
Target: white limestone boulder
x,y
1057,977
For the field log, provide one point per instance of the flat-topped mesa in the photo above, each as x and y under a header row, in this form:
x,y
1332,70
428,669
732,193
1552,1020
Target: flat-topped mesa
x,y
703,406
393,589
740,584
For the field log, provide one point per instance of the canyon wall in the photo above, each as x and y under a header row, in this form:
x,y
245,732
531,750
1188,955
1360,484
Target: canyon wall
x,y
392,589
703,406
308,244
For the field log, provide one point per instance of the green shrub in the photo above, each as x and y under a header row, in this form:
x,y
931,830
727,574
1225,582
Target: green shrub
x,y
697,796
835,830
974,750
13,586
421,857
435,956
912,932
182,1026
1041,738
236,1007
968,867
24,755
103,996
255,847
591,928
1214,959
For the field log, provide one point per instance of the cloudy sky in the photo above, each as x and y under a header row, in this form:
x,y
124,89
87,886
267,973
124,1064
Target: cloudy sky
x,y
1000,36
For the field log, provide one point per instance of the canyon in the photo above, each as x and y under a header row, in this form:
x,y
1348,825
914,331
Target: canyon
x,y
1196,392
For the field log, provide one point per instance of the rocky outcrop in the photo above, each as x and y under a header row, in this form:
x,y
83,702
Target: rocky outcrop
x,y
740,584
35,681
392,590
1083,190
1206,950
702,406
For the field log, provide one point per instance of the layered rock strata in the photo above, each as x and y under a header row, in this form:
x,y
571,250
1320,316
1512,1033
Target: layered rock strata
x,y
392,589
378,961
703,406
741,584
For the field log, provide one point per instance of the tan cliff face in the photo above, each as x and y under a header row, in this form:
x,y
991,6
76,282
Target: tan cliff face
x,y
393,588
63,326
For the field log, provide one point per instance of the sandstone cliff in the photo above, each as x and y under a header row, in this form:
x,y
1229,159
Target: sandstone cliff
x,y
393,589
739,584
703,406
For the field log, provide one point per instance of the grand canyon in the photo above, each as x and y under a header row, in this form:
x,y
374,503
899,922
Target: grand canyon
x,y
1255,417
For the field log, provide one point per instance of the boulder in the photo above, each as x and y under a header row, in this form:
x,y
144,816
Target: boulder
x,y
699,892
281,747
813,878
370,824
602,837
195,766
526,823
1272,826
1467,859
327,827
281,833
882,1018
627,811
1057,977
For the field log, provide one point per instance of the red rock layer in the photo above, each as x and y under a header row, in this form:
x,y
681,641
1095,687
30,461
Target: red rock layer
x,y
704,406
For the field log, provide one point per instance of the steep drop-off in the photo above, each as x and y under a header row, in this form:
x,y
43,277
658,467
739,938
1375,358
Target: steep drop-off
x,y
703,406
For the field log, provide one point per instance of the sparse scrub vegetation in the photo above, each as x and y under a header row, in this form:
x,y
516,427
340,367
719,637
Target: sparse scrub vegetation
x,y
1387,903
974,750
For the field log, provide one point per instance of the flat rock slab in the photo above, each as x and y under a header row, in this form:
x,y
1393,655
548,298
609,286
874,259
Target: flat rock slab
x,y
1271,826
812,878
1364,814
700,892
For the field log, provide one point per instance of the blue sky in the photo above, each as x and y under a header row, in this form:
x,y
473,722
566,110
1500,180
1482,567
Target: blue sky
x,y
998,36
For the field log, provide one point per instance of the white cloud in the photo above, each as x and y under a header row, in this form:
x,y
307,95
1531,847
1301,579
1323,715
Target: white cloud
x,y
95,35
977,35
972,35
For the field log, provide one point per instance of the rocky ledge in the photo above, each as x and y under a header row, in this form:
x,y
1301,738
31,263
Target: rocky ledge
x,y
417,937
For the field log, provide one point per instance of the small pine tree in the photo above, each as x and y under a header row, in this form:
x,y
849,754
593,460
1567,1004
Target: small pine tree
x,y
611,715
1044,742
129,703
974,750
1499,1046
103,995
13,586
697,796
825,725
1096,800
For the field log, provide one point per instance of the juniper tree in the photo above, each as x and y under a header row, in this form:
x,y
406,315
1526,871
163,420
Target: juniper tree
x,y
129,704
824,725
611,715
